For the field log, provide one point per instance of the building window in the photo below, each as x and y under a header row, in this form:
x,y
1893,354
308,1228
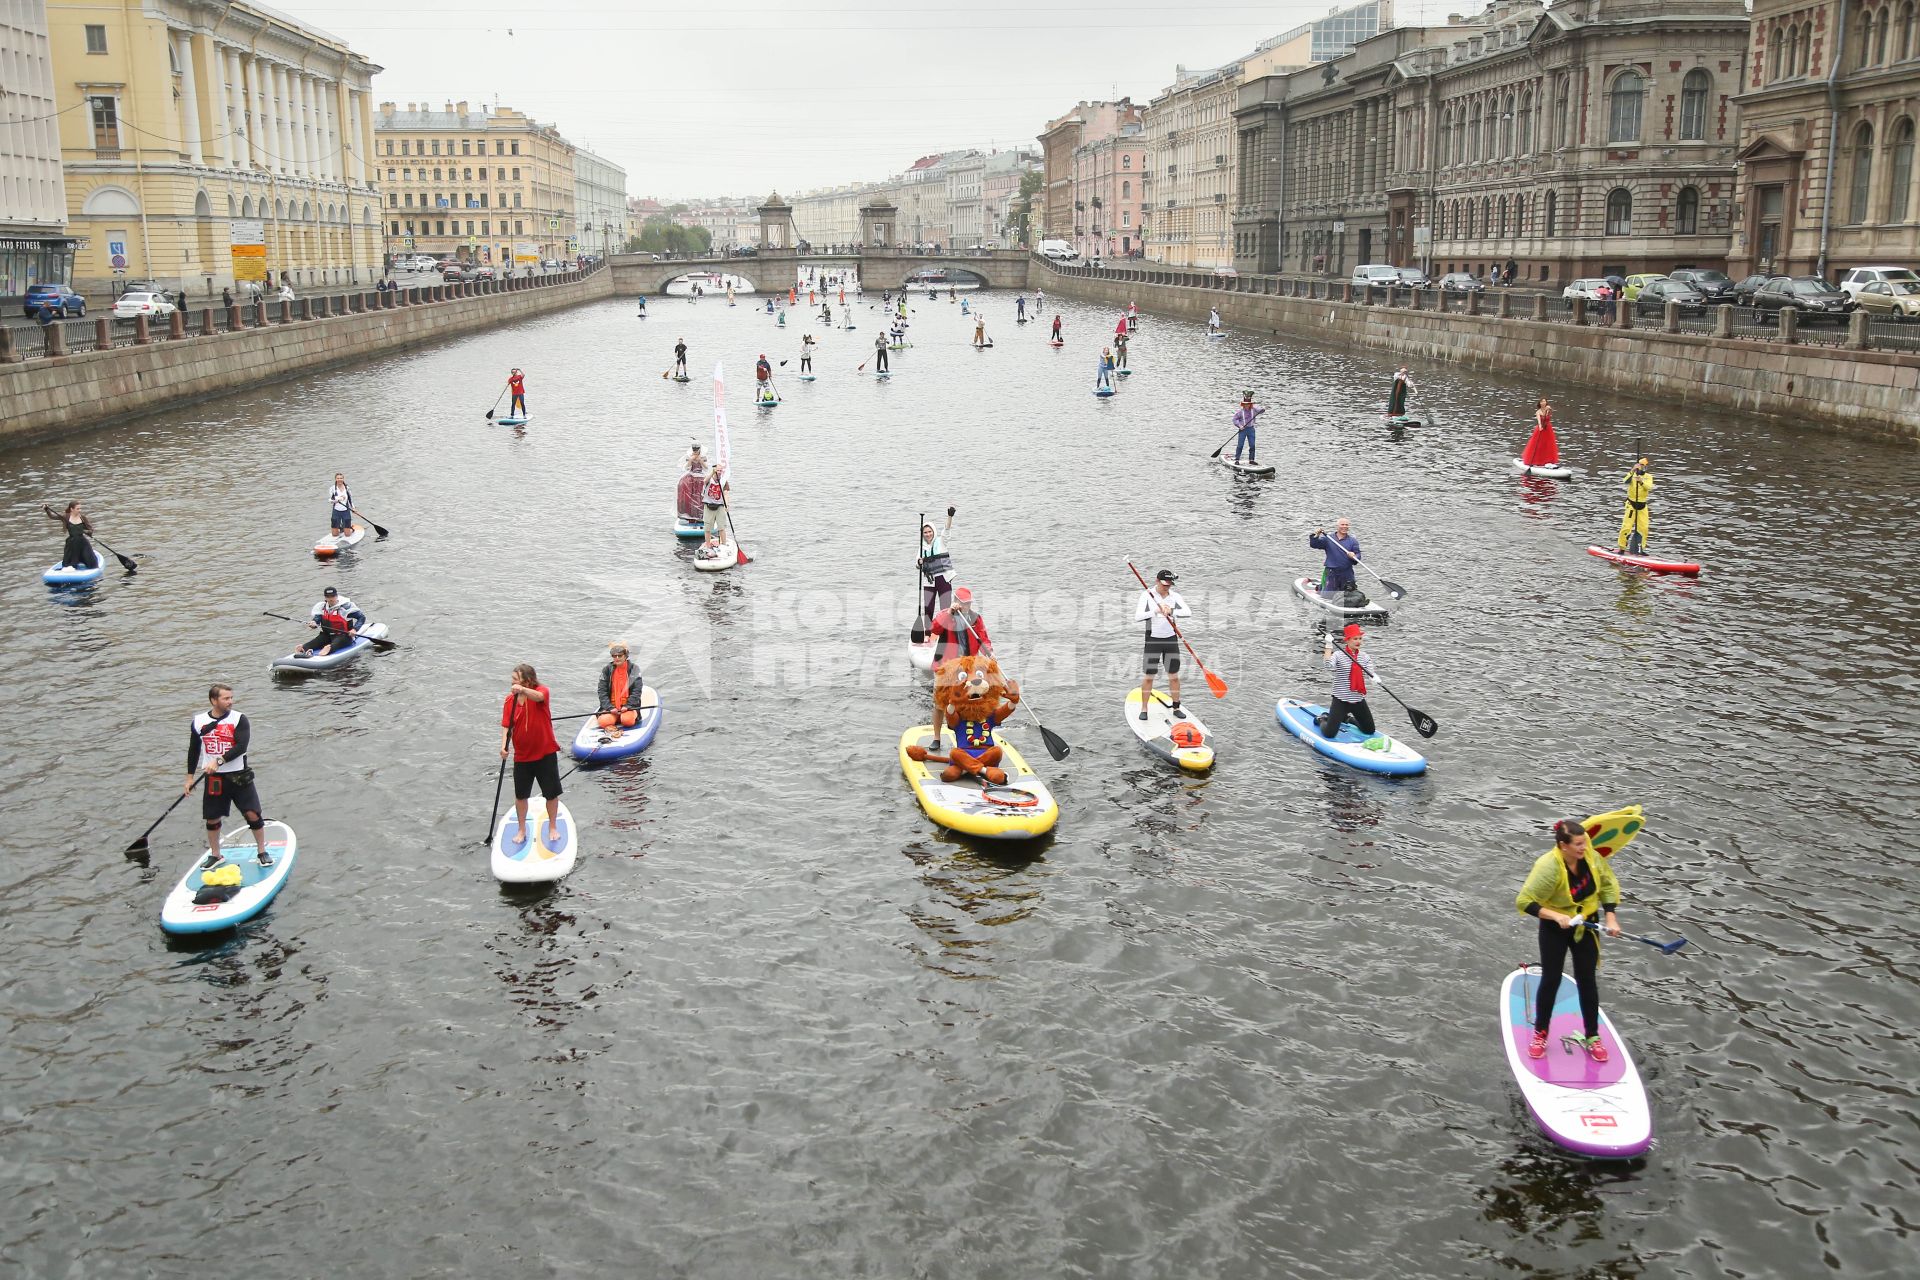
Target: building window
x,y
1526,123
516,173
1862,173
1866,40
1561,137
1623,109
1686,213
439,227
1905,48
499,175
484,228
436,146
1126,218
393,201
1446,135
1126,162
1506,126
519,227
516,199
1693,105
466,147
1548,213
1503,215
106,124
1486,217
1803,50
96,38
515,148
1620,212
389,146
1473,135
1900,176
1519,215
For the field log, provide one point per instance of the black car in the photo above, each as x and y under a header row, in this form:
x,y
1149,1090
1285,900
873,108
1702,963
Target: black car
x,y
1462,282
1656,294
1744,291
1715,286
1813,297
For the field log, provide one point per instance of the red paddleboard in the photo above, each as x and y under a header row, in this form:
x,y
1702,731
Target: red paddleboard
x,y
1646,562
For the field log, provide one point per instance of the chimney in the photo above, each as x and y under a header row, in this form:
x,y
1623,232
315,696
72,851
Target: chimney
x,y
449,108
386,108
461,107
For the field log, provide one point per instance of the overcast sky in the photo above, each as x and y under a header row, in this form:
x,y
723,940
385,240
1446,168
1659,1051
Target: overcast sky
x,y
730,98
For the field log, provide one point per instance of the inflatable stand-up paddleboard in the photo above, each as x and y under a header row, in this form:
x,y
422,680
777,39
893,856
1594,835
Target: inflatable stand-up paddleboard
x,y
58,575
1591,1108
1194,749
334,543
1103,392
1020,810
594,744
540,857
1551,471
235,889
1376,753
295,664
1247,468
1648,563
511,420
921,655
1337,606
725,556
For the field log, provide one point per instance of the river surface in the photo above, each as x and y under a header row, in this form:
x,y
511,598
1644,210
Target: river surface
x,y
779,1024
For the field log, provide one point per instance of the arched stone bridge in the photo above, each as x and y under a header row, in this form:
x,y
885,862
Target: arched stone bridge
x,y
879,268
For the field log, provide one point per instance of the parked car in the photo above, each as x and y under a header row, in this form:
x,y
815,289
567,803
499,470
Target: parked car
x,y
1592,288
58,298
1715,286
453,273
1462,282
1859,277
1636,282
1813,297
129,305
1656,294
1894,299
1376,276
482,273
446,264
1414,278
141,286
1744,291
1058,250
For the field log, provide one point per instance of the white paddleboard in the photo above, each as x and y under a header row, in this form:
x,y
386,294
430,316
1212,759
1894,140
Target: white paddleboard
x,y
1593,1108
1306,590
1247,468
1558,471
334,543
725,556
539,858
1156,732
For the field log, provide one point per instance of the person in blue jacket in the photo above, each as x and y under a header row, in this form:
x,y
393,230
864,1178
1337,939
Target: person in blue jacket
x,y
1343,552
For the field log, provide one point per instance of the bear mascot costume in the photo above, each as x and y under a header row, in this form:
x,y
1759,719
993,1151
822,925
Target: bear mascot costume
x,y
973,698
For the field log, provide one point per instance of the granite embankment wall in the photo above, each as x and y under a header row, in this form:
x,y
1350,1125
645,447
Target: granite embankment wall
x,y
54,395
1858,392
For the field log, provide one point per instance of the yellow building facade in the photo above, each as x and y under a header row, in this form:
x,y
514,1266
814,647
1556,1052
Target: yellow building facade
x,y
486,185
205,142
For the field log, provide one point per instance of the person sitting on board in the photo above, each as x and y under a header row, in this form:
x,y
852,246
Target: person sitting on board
x,y
806,353
1056,330
1397,397
340,502
620,689
880,354
526,722
1351,667
936,568
1243,420
1637,519
1213,320
1343,552
517,384
1104,379
1543,447
680,358
713,497
1119,351
217,741
1157,608
958,631
77,553
1564,885
338,618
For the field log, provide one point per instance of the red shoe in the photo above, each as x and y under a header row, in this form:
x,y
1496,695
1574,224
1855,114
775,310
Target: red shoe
x,y
1538,1049
1596,1050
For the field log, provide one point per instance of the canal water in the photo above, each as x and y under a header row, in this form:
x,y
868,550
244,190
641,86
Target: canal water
x,y
779,1024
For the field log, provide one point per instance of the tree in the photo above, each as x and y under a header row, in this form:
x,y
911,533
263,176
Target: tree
x,y
1020,208
663,235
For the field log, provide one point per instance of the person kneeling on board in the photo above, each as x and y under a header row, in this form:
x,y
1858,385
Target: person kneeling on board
x,y
1243,420
959,631
1343,552
338,618
1158,607
1564,885
620,688
1351,668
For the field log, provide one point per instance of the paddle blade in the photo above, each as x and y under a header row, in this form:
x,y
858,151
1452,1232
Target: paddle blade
x,y
1668,948
1394,589
379,530
1057,746
126,562
744,557
1215,683
138,849
1423,724
489,415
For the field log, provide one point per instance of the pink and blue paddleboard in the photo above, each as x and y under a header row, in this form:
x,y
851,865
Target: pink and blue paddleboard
x,y
1593,1108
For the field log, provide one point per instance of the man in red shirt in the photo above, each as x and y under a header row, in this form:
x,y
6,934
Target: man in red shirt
x,y
517,383
526,721
959,632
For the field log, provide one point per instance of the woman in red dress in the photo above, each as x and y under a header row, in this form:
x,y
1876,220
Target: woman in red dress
x,y
1543,447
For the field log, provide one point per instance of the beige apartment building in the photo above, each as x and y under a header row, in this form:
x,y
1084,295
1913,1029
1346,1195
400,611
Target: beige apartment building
x,y
1086,124
830,216
34,245
207,141
491,186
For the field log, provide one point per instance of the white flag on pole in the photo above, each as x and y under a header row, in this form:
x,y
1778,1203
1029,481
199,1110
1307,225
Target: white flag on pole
x,y
722,451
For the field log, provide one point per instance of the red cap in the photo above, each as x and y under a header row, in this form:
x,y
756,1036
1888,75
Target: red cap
x,y
961,595
1352,632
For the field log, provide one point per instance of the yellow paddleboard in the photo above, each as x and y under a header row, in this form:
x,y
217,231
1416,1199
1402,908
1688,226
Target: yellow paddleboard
x,y
1020,810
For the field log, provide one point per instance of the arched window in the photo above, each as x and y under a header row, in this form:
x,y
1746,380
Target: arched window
x,y
1561,137
1623,108
1686,212
1862,184
1126,191
1900,172
1519,215
1777,39
1865,55
1506,127
1693,105
1439,222
1548,214
1446,134
1620,212
1803,49
1526,123
1486,217
1460,137
1126,162
1503,215
1473,134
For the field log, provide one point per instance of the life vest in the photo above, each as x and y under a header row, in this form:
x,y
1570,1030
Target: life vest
x,y
334,620
621,670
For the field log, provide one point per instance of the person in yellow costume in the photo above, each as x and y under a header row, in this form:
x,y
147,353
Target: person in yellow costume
x,y
1634,521
1566,885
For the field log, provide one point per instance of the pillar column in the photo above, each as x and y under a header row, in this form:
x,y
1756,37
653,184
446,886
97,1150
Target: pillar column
x,y
323,97
189,95
302,121
282,128
247,76
222,121
349,141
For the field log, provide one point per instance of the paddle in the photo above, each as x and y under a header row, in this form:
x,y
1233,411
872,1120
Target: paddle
x,y
126,562
1057,746
733,531
1236,435
1423,724
379,530
1214,682
919,633
494,821
1394,589
496,403
138,849
375,641
1664,948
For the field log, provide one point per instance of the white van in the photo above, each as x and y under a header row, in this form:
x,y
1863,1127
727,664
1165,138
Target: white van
x,y
1377,276
1058,250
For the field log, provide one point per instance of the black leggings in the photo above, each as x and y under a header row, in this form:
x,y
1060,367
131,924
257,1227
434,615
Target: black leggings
x,y
1339,711
1555,944
935,594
